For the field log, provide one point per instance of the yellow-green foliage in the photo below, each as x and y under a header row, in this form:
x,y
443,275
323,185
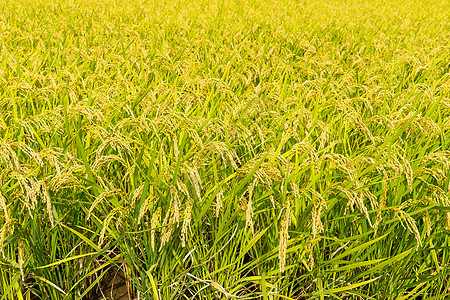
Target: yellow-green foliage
x,y
220,149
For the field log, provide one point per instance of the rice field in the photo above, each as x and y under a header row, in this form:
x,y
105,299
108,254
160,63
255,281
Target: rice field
x,y
225,149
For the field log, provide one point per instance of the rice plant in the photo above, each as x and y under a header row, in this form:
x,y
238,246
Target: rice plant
x,y
224,149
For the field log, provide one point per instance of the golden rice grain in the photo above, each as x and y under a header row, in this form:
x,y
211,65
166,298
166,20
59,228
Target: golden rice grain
x,y
187,215
106,222
102,197
284,234
408,223
219,198
136,194
156,217
21,257
4,207
48,202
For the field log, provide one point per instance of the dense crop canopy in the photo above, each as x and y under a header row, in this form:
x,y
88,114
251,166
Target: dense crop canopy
x,y
222,149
